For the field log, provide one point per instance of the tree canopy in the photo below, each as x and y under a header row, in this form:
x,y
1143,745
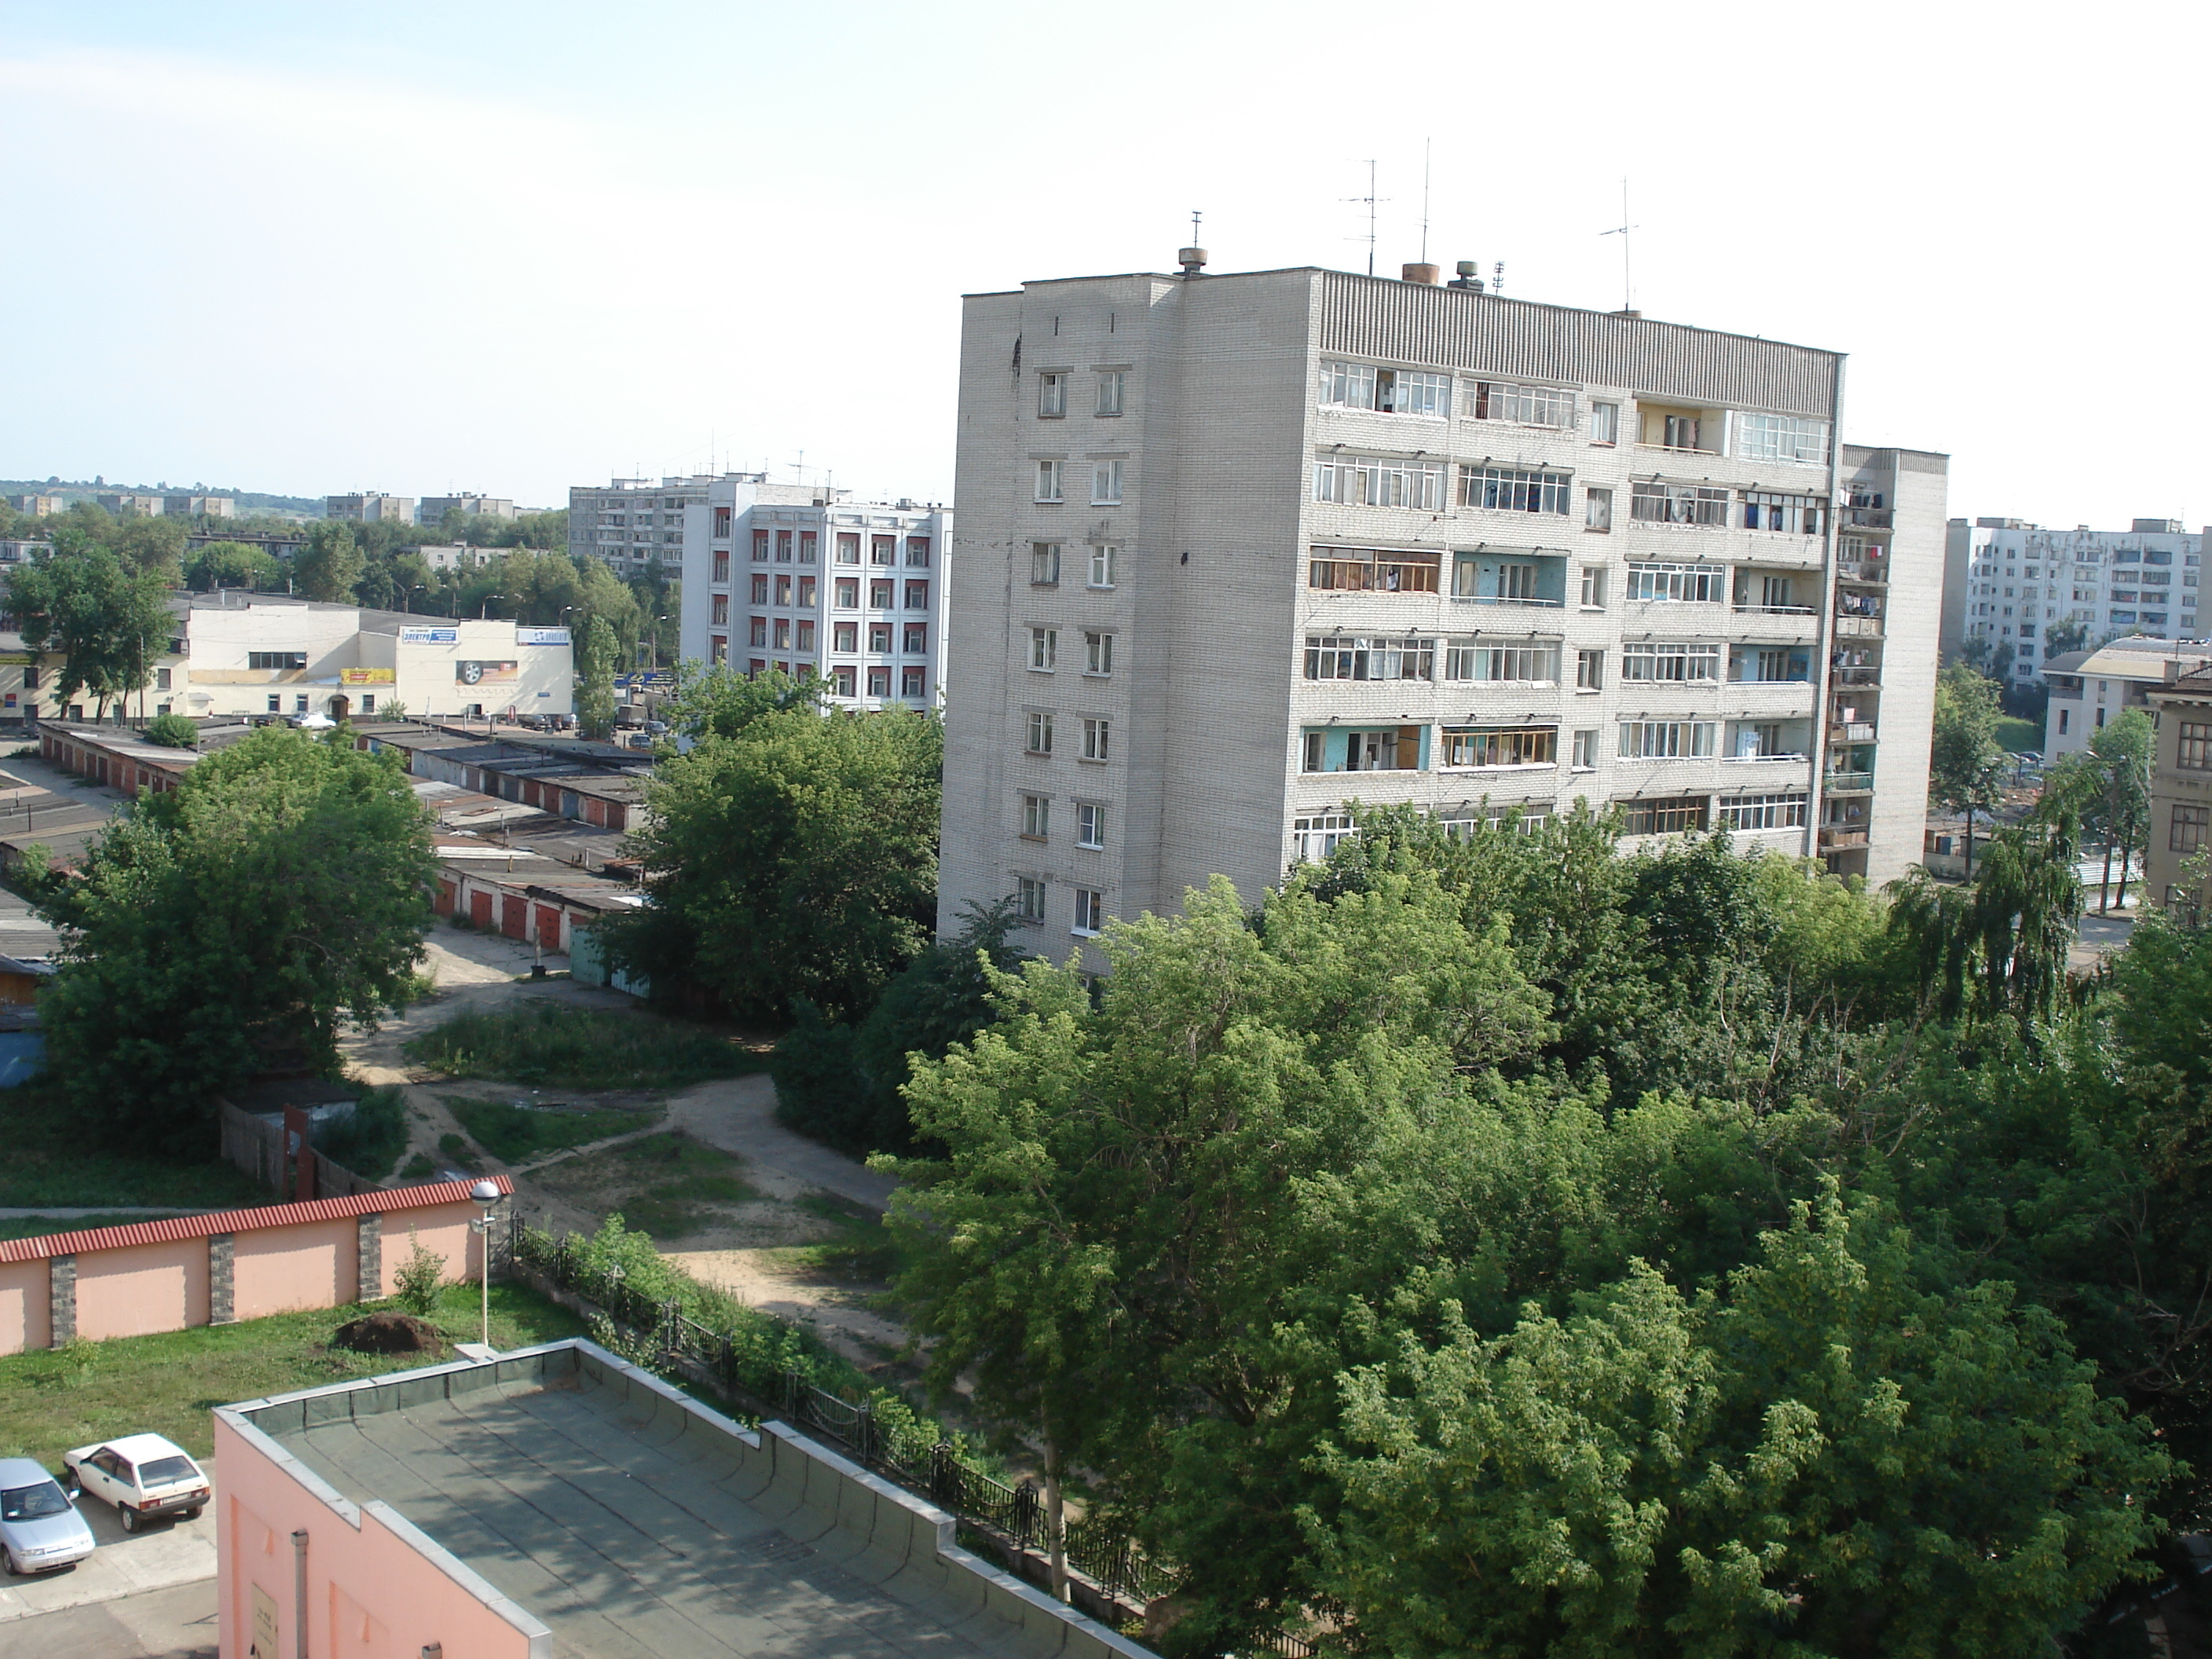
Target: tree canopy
x,y
108,622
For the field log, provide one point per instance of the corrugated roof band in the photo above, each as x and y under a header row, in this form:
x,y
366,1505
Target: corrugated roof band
x,y
242,1221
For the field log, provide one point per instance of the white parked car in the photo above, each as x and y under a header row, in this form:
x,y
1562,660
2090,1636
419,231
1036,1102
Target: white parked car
x,y
143,1475
40,1529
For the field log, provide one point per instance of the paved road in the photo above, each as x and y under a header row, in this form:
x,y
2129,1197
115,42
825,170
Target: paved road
x,y
178,1623
125,1567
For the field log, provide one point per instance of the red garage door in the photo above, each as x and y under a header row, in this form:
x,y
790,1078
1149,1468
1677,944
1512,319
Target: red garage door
x,y
549,928
443,904
480,909
513,915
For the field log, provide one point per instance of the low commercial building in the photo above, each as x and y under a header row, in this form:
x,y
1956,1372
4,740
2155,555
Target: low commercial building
x,y
2088,688
592,783
556,1500
370,506
2181,792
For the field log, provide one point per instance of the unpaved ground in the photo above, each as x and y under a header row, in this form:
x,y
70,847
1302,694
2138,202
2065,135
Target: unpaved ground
x,y
741,1193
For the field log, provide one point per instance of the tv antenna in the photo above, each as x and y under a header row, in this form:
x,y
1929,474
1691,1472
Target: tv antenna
x,y
1426,144
1369,200
1621,230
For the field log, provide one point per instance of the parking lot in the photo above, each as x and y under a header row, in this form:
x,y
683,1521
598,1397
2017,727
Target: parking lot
x,y
144,1596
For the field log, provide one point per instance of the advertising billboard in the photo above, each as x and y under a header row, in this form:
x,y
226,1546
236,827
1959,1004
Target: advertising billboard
x,y
367,676
471,670
541,636
429,636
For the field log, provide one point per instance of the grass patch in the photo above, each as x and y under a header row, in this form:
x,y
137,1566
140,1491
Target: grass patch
x,y
55,1398
566,1046
2017,736
462,1155
515,1134
666,1184
418,1167
49,1161
37,1226
863,1247
369,1142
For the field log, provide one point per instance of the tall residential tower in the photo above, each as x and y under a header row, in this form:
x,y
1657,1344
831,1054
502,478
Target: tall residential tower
x,y
1225,541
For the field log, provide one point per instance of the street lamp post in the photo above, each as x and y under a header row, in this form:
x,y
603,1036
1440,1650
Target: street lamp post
x,y
486,1193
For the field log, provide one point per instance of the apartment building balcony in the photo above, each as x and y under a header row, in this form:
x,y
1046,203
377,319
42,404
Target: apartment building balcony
x,y
1854,732
1868,517
1858,628
1847,783
1863,573
1867,676
1835,838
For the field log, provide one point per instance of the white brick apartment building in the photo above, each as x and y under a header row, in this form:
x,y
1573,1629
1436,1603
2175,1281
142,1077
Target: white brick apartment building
x,y
2007,581
1225,541
633,521
800,578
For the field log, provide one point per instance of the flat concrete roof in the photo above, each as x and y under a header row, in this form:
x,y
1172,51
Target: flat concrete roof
x,y
637,1524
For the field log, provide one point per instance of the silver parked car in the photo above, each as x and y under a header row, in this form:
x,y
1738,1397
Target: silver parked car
x,y
143,1475
39,1527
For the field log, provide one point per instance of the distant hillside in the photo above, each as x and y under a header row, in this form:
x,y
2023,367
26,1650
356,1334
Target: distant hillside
x,y
249,501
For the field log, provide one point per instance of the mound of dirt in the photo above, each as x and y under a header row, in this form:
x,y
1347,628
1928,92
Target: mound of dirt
x,y
389,1332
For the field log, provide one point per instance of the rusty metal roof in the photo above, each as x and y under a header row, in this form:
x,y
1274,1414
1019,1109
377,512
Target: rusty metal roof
x,y
389,1199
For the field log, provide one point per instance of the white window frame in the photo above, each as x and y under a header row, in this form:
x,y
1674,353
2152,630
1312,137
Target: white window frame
x,y
1090,916
1677,583
1314,837
1112,389
1099,653
1517,490
1044,564
1106,483
1030,898
1667,739
1104,559
1597,509
1593,587
1039,738
1097,739
1589,670
1785,811
1379,481
1036,817
1051,481
1359,657
1779,438
1585,751
1044,650
1670,662
1523,662
1051,395
1605,423
1522,404
1090,825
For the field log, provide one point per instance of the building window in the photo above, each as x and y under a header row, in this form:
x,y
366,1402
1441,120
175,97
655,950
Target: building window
x,y
1029,899
1779,438
722,524
807,592
1098,735
367,704
879,595
1666,739
1672,661
1103,560
848,547
1665,503
1051,481
162,680
1585,751
276,661
1099,653
1593,587
1762,812
1776,664
300,703
1314,838
760,588
1589,670
1347,656
917,596
1387,390
915,640
2193,751
1605,423
848,592
879,637
1500,745
1040,732
1110,387
809,544
2065,721
783,590
1386,749
1090,825
1044,564
913,682
2187,832
844,679
845,636
1528,665
1529,405
1362,570
1044,648
1089,911
276,707
917,552
883,551
1597,509
1696,584
1793,515
783,547
758,635
781,641
718,611
806,634
1106,483
1036,817
760,547
1052,397
1371,480
1509,490
880,682
721,564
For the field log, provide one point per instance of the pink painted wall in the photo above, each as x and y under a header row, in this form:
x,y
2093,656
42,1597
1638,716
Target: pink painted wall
x,y
143,1289
24,1309
371,1594
284,1269
444,1230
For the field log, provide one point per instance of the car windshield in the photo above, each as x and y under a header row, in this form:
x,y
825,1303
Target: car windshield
x,y
32,1503
163,1470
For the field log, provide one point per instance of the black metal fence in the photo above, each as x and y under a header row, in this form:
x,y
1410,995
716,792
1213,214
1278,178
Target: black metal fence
x,y
915,1454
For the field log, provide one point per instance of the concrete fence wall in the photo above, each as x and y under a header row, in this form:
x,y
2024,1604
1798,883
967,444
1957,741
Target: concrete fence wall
x,y
239,1264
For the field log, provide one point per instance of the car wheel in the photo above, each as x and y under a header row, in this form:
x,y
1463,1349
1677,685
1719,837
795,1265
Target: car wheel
x,y
192,1514
129,1517
7,1560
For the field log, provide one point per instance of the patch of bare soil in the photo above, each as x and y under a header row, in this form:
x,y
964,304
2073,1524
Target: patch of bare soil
x,y
834,1306
389,1332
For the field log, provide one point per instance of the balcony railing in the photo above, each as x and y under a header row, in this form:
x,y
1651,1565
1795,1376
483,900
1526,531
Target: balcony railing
x,y
1855,677
1836,840
1494,598
1775,609
1856,732
1847,783
1868,517
1778,756
1859,627
1869,571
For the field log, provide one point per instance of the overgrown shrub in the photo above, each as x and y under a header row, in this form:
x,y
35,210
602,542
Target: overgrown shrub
x,y
172,732
370,1141
571,1048
416,1281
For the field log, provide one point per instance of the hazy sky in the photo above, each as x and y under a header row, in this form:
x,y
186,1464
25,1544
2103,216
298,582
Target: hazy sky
x,y
310,248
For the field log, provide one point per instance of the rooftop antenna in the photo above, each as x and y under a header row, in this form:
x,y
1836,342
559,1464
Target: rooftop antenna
x,y
1370,199
1621,230
1426,143
1498,277
799,467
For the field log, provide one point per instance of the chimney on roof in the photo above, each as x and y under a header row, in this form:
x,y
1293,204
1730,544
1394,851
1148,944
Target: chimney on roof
x,y
1428,276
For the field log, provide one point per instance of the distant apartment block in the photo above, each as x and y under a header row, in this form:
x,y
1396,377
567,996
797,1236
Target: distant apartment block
x,y
38,506
802,579
456,555
434,508
199,507
122,502
1238,553
370,506
632,522
2007,581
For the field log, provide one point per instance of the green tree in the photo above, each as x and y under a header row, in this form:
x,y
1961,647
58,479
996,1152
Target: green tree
x,y
233,926
153,547
108,625
329,566
796,859
595,675
172,732
2124,750
1826,1459
2069,634
1965,761
233,564
2000,945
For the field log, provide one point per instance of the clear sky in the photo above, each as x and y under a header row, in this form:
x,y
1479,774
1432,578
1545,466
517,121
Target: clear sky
x,y
311,247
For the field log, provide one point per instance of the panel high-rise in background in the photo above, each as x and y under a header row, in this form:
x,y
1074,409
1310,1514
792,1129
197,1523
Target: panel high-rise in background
x,y
1236,552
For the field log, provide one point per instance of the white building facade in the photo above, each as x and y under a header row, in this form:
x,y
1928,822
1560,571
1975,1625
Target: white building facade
x,y
632,522
1225,541
2012,580
801,579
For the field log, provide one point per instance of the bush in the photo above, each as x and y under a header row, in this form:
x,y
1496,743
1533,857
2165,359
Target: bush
x,y
571,1048
416,1281
172,732
370,1141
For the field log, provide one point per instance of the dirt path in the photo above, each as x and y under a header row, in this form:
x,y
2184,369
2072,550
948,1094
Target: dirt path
x,y
738,1115
836,1310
